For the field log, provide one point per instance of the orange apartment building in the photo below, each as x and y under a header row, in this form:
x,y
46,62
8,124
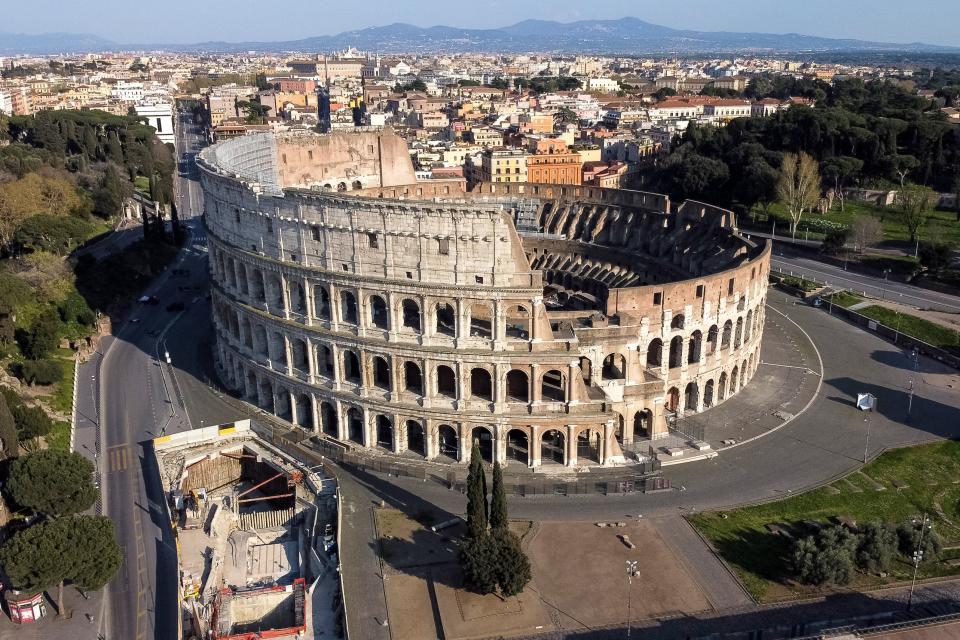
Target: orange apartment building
x,y
553,163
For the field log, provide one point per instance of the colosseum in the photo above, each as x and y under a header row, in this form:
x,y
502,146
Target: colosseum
x,y
553,325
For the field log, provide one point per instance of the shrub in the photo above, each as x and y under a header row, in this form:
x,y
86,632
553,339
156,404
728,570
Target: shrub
x,y
31,422
513,566
74,308
40,372
908,538
827,558
42,337
878,546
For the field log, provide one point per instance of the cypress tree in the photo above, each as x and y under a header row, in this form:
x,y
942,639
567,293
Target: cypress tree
x,y
498,500
476,496
8,431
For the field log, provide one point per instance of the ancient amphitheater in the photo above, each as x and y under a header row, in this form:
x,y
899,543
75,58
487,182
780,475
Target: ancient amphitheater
x,y
555,325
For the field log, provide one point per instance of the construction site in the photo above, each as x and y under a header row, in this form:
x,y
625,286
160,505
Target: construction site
x,y
256,537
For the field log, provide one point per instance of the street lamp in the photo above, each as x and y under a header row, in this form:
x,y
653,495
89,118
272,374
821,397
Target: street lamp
x,y
631,571
883,287
917,559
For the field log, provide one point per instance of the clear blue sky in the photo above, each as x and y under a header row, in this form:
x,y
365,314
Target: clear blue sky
x,y
184,21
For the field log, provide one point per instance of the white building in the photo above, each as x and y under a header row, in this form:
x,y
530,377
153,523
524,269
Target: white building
x,y
127,91
6,103
606,85
159,115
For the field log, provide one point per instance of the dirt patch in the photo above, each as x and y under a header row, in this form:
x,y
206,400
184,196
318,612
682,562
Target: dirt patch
x,y
580,571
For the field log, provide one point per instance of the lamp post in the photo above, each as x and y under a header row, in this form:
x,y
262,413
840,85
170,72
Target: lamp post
x,y
631,571
883,286
917,559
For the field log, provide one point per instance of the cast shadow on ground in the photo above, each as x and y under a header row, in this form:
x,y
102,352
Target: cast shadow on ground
x,y
903,360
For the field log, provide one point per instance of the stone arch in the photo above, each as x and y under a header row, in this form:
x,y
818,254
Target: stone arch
x,y
518,322
301,361
553,386
643,424
351,367
727,334
712,336
655,353
260,339
741,303
379,315
384,432
553,447
410,312
749,326
275,292
278,348
518,446
588,444
517,386
733,380
672,401
446,381
355,426
446,319
412,378
298,298
250,388
357,185
265,395
448,444
328,419
738,335
257,288
614,367
481,385
304,412
416,437
708,394
481,320
381,373
325,365
348,307
483,437
722,386
676,352
246,330
321,302
341,186
691,396
678,321
694,347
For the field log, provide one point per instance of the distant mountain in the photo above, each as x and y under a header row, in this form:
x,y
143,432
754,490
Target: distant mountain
x,y
624,36
44,43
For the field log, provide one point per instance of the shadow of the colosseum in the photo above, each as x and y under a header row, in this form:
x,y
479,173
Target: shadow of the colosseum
x,y
926,414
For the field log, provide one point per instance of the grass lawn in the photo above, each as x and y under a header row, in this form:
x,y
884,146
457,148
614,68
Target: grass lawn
x,y
62,398
915,480
929,332
799,283
844,299
59,436
142,184
814,226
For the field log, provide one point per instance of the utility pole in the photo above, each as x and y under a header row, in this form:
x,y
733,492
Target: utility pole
x,y
917,559
866,444
631,571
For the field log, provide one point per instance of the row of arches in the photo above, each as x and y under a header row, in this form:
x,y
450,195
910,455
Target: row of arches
x,y
691,350
713,391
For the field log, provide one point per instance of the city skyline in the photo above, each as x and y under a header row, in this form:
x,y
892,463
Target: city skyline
x,y
929,21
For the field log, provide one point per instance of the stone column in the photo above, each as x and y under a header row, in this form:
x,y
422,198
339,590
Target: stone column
x,y
462,323
309,311
573,369
334,293
337,366
499,444
315,413
342,430
285,293
426,375
536,388
465,443
311,360
533,447
399,434
570,439
463,385
499,389
368,430
395,389
430,443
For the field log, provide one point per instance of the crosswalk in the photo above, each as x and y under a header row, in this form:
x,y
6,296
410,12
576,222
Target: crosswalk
x,y
119,458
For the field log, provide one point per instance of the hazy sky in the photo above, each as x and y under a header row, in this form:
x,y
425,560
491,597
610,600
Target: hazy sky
x,y
184,21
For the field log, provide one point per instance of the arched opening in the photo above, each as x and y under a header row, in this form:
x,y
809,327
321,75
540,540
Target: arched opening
x,y
416,441
304,414
691,396
446,382
672,402
265,397
676,352
341,186
282,407
324,361
411,316
552,450
446,320
260,339
298,299
733,380
257,293
614,367
321,302
741,304
518,446
518,389
412,378
586,369
448,443
693,347
480,384
244,283
348,307
708,394
381,373
481,321
328,417
276,294
618,429
298,347
355,425
677,322
655,353
278,349
727,334
588,446
250,391
642,425
518,323
749,326
247,333
378,313
738,336
351,367
357,185
712,336
481,436
553,386
384,433
722,386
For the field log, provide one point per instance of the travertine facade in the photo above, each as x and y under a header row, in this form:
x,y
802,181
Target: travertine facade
x,y
554,324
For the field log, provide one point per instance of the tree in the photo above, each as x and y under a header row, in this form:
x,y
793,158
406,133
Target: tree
x,y
82,549
663,93
877,547
498,500
901,166
566,115
256,113
865,231
43,336
935,255
476,495
912,202
54,483
839,170
909,539
799,186
827,558
8,430
32,422
513,566
834,241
